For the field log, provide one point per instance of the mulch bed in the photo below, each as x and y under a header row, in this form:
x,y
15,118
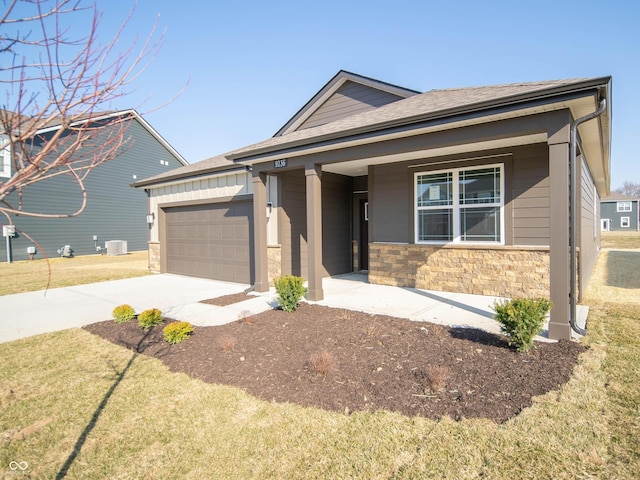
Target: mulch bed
x,y
225,300
349,361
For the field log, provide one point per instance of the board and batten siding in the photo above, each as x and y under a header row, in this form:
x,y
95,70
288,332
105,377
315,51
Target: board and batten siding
x,y
114,211
349,99
215,187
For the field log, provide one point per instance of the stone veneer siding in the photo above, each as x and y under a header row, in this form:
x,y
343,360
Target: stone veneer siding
x,y
274,262
497,271
154,257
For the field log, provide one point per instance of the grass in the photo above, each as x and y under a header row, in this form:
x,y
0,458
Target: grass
x,y
32,275
623,240
75,406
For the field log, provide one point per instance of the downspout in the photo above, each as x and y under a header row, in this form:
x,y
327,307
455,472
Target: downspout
x,y
573,212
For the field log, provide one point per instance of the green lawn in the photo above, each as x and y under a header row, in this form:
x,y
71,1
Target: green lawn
x,y
75,406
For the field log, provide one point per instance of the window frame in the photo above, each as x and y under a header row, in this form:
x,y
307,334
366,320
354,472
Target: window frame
x,y
624,220
621,206
5,154
456,206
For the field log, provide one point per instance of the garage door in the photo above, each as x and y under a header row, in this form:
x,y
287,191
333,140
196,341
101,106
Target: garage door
x,y
211,241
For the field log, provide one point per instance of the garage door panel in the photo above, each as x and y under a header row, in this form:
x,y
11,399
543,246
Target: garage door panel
x,y
211,241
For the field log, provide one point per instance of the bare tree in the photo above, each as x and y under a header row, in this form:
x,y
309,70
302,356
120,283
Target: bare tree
x,y
630,189
58,88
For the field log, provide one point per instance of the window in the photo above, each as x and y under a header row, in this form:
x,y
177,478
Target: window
x,y
5,157
460,205
624,222
623,206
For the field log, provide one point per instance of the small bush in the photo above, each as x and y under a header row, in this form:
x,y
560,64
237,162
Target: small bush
x,y
290,290
123,313
322,363
521,319
150,318
437,376
227,343
177,332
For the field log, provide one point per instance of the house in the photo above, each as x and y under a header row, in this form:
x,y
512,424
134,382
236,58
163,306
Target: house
x,y
114,210
620,213
462,190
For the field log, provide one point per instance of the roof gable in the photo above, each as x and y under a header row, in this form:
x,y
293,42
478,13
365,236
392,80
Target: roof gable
x,y
344,95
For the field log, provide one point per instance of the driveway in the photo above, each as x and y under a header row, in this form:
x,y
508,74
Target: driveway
x,y
26,314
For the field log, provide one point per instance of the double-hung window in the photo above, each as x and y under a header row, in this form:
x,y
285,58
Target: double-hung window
x,y
462,205
623,206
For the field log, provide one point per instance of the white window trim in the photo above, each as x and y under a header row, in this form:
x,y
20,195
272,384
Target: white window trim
x,y
622,206
5,163
457,237
624,220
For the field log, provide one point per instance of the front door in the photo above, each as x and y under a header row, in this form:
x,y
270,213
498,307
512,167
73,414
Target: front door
x,y
363,247
606,224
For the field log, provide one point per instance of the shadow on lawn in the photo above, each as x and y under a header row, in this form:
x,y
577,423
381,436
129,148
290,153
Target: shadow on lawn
x,y
96,415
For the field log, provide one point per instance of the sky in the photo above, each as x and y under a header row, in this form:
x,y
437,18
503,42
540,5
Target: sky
x,y
242,69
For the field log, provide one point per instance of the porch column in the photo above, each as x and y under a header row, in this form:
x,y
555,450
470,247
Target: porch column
x,y
314,231
559,327
260,231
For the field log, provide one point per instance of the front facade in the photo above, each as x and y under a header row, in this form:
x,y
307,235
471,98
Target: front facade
x,y
465,190
114,210
620,213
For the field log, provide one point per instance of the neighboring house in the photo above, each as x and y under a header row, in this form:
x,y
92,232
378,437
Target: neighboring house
x,y
114,210
462,190
619,213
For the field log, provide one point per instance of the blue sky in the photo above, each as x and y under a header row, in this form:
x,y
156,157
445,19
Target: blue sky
x,y
251,65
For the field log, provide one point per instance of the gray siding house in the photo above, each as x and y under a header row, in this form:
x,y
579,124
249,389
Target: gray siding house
x,y
620,213
462,190
114,210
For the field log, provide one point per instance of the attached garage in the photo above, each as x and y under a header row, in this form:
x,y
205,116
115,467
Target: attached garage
x,y
213,240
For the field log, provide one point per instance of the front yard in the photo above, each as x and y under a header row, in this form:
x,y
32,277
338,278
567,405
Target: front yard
x,y
73,405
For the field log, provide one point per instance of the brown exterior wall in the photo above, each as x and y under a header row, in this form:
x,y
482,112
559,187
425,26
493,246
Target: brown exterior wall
x,y
526,172
349,99
498,271
336,224
588,227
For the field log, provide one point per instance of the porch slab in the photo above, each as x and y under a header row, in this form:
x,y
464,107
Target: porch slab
x,y
354,292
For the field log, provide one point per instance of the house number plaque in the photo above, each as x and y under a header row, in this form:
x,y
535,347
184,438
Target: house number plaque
x,y
281,163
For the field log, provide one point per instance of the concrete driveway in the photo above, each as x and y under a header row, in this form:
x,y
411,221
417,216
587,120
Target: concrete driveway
x,y
26,314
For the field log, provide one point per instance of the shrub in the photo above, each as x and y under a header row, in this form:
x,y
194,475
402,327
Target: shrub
x,y
322,363
521,319
177,332
123,313
437,376
150,318
290,290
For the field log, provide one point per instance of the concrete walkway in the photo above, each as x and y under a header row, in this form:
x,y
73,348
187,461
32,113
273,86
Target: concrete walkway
x,y
26,314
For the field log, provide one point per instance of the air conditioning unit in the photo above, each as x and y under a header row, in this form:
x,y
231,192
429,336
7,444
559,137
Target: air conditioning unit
x,y
116,247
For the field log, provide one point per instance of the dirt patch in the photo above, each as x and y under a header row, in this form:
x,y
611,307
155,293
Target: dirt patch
x,y
225,300
366,362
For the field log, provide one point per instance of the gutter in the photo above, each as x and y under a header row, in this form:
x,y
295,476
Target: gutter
x,y
573,212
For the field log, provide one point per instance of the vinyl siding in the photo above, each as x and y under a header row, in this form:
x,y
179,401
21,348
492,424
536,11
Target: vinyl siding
x,y
114,211
589,227
527,196
349,99
293,225
530,194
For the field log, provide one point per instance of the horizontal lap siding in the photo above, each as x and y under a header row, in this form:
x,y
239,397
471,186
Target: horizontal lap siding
x,y
589,226
530,194
349,99
114,211
388,208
